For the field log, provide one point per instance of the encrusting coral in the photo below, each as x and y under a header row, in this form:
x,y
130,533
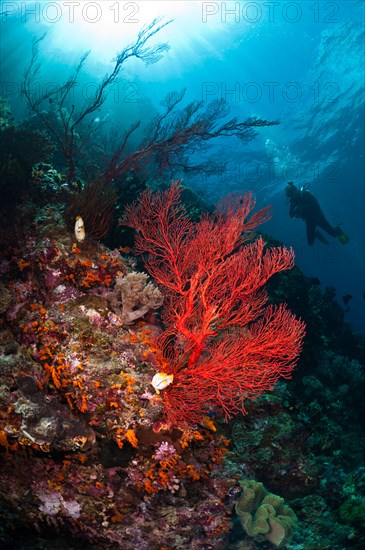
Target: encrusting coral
x,y
5,298
79,414
261,512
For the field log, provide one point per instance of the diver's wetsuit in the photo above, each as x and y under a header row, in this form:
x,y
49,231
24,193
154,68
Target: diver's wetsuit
x,y
304,205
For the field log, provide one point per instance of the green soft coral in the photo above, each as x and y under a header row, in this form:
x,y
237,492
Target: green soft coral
x,y
263,513
352,511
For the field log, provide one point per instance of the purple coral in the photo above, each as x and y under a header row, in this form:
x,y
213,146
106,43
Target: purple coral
x,y
164,451
53,503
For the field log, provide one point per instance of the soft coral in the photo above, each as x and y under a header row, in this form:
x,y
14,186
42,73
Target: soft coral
x,y
220,342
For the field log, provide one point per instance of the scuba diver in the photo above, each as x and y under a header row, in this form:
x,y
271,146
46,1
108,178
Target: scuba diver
x,y
305,206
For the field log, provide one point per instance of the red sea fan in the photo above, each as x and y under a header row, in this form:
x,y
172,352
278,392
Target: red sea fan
x,y
220,342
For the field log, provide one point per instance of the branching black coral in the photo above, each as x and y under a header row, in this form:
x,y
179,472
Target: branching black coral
x,y
65,126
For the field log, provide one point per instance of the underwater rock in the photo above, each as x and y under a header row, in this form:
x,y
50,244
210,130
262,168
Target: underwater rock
x,y
5,298
48,424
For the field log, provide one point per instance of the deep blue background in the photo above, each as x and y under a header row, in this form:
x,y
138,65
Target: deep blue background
x,y
298,62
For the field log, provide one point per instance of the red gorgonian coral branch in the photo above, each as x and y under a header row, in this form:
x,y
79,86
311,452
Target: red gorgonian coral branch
x,y
220,342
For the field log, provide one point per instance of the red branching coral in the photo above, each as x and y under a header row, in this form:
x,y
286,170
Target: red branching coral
x,y
220,342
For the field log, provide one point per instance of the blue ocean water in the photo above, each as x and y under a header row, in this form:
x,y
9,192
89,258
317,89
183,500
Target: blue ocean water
x,y
297,62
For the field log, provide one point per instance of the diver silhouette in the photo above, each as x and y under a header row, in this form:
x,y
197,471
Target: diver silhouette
x,y
304,205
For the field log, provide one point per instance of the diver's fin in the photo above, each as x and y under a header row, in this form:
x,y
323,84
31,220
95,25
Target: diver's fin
x,y
343,238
